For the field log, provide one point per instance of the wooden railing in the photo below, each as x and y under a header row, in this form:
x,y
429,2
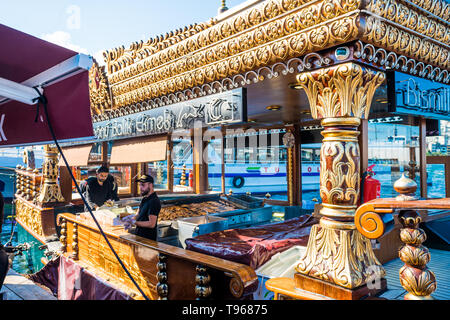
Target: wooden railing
x,y
370,220
28,183
161,271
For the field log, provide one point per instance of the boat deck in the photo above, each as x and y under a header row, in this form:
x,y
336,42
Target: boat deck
x,y
17,287
439,264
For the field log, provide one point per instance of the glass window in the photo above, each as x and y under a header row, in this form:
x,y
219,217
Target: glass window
x,y
215,165
122,176
183,168
158,170
310,155
436,180
96,152
394,150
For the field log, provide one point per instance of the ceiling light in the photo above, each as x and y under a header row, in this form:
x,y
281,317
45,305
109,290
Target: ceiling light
x,y
274,107
295,86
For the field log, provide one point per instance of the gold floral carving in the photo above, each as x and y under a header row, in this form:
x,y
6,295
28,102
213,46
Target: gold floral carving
x,y
343,257
412,18
339,179
440,8
99,90
271,32
30,216
344,90
384,33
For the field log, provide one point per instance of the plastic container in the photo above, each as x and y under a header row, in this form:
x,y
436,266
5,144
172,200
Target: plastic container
x,y
194,226
280,265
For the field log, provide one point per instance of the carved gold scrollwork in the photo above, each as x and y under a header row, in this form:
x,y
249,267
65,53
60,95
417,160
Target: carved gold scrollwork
x,y
272,41
29,216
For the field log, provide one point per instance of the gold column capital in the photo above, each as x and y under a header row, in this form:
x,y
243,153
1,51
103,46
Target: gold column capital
x,y
344,90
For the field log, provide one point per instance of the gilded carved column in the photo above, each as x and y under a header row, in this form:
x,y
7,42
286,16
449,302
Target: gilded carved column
x,y
50,190
336,252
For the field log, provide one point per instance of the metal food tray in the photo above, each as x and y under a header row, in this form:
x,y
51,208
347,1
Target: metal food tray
x,y
246,201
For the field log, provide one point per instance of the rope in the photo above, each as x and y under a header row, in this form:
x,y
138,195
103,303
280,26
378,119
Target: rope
x,y
43,100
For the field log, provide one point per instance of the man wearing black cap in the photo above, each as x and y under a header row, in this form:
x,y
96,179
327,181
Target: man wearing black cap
x,y
98,189
147,216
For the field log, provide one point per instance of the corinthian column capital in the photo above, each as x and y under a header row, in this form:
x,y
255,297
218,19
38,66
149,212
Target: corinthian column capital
x,y
345,90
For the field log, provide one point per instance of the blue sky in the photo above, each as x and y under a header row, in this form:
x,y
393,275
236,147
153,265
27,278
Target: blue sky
x,y
97,25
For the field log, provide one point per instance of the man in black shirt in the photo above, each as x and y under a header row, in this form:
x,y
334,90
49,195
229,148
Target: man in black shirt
x,y
98,189
147,216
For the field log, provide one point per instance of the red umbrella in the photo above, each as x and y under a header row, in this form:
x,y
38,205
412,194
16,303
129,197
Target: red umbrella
x,y
60,74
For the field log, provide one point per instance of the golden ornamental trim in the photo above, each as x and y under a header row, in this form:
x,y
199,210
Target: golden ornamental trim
x,y
29,216
383,33
261,24
99,93
342,257
344,90
119,58
439,8
411,18
316,38
391,60
294,65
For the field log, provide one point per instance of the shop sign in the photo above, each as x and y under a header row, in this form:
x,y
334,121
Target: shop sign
x,y
213,110
408,94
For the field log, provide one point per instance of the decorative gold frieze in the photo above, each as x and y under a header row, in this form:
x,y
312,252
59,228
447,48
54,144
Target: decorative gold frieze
x,y
201,36
383,33
206,63
168,68
309,61
412,18
440,8
392,60
163,82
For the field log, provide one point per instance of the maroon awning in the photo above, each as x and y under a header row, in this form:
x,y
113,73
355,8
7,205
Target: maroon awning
x,y
62,73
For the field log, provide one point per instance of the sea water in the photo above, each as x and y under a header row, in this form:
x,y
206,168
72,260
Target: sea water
x,y
14,234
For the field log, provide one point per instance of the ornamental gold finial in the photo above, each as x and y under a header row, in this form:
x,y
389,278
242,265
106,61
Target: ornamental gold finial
x,y
223,8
